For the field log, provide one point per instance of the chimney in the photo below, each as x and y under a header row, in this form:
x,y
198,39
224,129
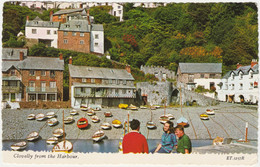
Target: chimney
x,y
27,18
61,57
238,65
128,68
70,60
253,62
21,56
51,13
88,16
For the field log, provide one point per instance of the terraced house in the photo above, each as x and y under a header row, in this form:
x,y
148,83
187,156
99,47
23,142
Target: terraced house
x,y
31,78
100,86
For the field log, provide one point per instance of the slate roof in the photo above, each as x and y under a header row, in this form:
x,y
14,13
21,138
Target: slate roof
x,y
244,69
200,67
42,63
13,53
75,25
37,22
67,11
102,85
6,65
97,27
98,72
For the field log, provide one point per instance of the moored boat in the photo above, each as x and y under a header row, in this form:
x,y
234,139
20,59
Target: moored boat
x,y
123,106
73,112
84,107
19,146
116,123
150,125
95,119
31,117
170,116
52,122
33,136
58,132
50,114
163,119
105,126
153,108
63,146
52,140
82,123
210,112
40,117
132,107
204,117
183,122
68,120
98,136
108,114
143,107
90,112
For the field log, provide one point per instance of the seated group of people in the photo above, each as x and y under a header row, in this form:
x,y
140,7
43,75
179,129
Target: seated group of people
x,y
134,142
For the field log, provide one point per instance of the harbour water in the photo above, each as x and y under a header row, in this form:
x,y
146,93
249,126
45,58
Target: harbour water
x,y
88,146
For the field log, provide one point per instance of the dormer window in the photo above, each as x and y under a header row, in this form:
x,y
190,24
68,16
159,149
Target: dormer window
x,y
240,75
251,74
36,22
78,26
67,26
232,76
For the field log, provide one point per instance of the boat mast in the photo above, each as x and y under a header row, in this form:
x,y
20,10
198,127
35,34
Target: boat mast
x,y
180,101
164,106
128,122
63,129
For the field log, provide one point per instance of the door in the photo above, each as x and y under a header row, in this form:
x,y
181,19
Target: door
x,y
12,96
43,86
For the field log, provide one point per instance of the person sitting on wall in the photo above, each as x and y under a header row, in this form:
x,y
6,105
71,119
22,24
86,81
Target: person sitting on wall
x,y
134,142
184,143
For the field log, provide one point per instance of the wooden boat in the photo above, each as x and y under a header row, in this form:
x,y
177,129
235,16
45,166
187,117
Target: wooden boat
x,y
40,117
19,146
157,107
183,122
210,112
82,123
150,125
163,119
52,122
153,108
170,116
105,126
73,112
132,107
95,119
52,140
90,112
143,107
95,107
31,117
123,106
84,107
65,145
68,120
33,136
98,136
204,117
58,132
116,123
108,114
50,114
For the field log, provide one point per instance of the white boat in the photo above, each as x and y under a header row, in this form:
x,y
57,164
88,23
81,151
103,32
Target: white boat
x,y
68,120
73,112
32,136
143,107
95,119
31,117
19,146
210,112
170,116
40,117
98,136
132,107
50,114
116,123
52,122
52,140
84,107
58,132
150,125
105,126
90,112
163,119
204,117
63,146
157,107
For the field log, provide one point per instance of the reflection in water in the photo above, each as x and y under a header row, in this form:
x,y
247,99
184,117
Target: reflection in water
x,y
88,146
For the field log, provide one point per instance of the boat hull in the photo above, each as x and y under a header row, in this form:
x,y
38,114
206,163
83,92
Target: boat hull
x,y
82,123
19,146
61,147
52,140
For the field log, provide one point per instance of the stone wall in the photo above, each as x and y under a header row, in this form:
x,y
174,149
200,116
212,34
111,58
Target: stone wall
x,y
159,72
45,105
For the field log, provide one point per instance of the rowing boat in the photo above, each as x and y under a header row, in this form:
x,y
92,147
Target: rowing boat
x,y
204,117
52,122
105,126
31,117
58,132
108,114
33,136
123,106
82,123
52,140
50,114
84,107
95,119
170,116
40,117
210,112
73,112
98,136
68,120
19,146
90,112
116,123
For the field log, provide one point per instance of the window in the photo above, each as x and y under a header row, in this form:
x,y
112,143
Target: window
x,y
191,78
211,75
119,12
226,86
67,26
96,44
116,91
51,97
241,86
240,76
233,87
78,26
84,80
117,81
48,32
201,75
65,41
32,73
92,80
124,82
43,86
124,91
31,84
12,72
118,7
43,73
54,32
65,33
96,36
59,17
52,84
110,81
81,34
251,85
31,97
34,31
81,42
251,74
5,96
232,76
52,73
83,90
74,33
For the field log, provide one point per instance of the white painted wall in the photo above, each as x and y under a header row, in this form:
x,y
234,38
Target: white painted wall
x,y
206,82
41,33
100,41
250,93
